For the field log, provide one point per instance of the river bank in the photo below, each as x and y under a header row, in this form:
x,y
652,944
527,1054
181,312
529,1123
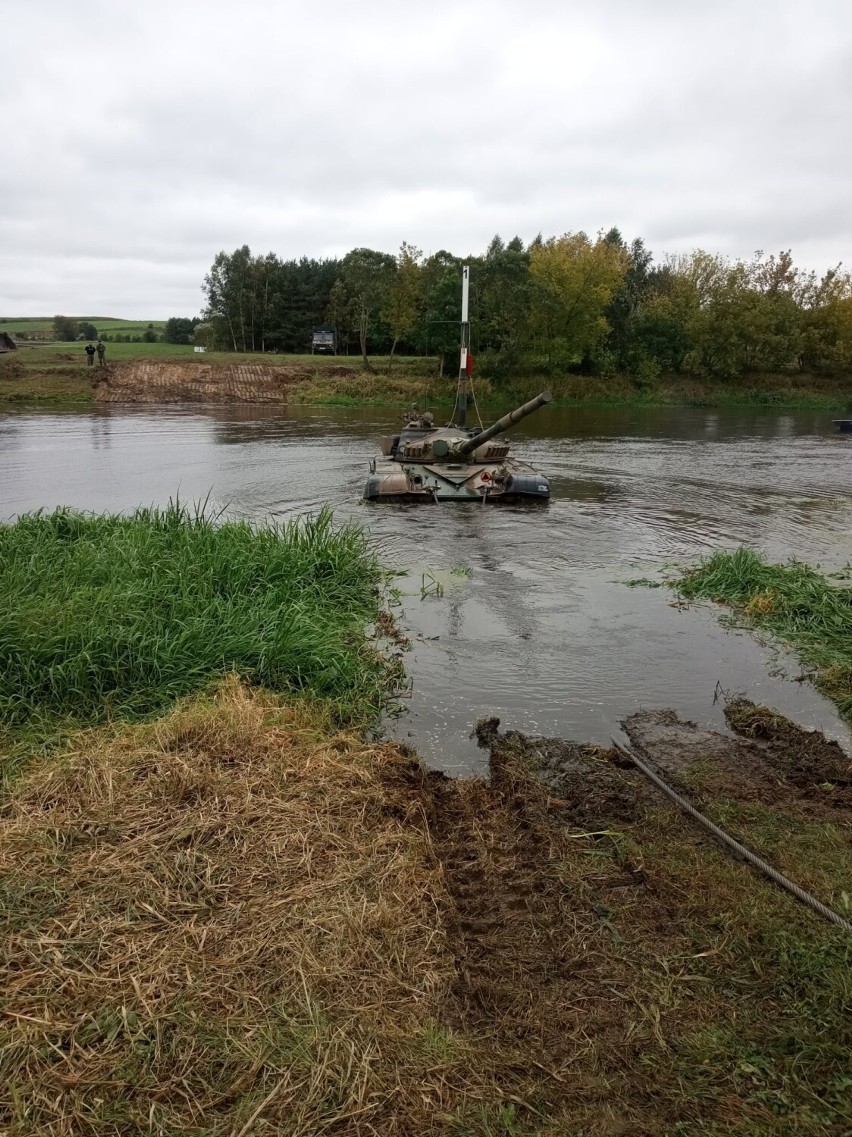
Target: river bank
x,y
798,605
115,617
160,373
227,906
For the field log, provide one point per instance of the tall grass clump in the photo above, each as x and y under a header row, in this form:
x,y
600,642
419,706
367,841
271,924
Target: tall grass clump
x,y
106,617
799,605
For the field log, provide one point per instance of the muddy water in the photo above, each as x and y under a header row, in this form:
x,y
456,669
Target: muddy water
x,y
516,611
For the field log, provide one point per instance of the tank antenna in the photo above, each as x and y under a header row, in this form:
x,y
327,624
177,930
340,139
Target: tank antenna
x,y
464,374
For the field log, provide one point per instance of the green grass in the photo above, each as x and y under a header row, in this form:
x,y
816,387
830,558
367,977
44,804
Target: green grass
x,y
105,617
802,607
110,324
760,1020
49,354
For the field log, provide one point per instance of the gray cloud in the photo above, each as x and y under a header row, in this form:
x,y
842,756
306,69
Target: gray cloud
x,y
139,140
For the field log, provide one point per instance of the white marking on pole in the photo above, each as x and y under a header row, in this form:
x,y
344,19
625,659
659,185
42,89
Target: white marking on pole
x,y
465,290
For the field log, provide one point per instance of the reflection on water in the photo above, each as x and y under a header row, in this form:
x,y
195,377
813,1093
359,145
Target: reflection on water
x,y
542,632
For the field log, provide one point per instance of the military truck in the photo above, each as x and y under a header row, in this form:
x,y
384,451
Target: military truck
x,y
323,341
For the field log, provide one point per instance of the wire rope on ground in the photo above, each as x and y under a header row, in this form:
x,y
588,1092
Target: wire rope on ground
x,y
741,850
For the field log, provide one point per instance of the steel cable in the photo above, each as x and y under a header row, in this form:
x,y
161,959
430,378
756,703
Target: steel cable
x,y
747,855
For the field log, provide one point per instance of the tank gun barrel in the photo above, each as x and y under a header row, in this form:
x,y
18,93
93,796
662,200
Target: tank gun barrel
x,y
504,423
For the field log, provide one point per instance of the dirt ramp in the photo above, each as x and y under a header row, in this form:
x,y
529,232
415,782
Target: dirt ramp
x,y
168,381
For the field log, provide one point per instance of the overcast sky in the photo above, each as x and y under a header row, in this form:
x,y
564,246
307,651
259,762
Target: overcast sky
x,y
139,139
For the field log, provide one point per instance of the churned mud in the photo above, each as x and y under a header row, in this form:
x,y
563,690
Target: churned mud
x,y
769,759
805,758
167,381
568,878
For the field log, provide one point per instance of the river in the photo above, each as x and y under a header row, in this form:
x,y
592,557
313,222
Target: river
x,y
522,612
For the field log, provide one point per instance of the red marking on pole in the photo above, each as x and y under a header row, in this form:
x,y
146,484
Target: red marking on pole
x,y
469,364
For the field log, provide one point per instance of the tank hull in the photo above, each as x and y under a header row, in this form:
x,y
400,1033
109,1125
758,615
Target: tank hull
x,y
507,481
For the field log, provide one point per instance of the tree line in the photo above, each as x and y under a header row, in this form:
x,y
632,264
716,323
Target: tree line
x,y
571,303
178,330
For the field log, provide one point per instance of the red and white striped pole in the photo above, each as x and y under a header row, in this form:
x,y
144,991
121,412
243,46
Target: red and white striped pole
x,y
466,361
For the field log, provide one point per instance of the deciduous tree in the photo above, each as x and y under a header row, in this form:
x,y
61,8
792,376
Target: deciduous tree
x,y
65,329
401,305
574,281
367,276
180,329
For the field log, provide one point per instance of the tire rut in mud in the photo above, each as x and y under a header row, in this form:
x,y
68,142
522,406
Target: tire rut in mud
x,y
565,894
533,976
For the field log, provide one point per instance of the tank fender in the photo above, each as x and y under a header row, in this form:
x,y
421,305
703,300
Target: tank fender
x,y
533,485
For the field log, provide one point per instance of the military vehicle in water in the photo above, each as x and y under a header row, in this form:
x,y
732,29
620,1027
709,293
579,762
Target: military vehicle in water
x,y
453,463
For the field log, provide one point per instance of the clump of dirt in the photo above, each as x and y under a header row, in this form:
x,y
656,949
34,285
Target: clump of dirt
x,y
805,757
595,786
388,628
773,760
172,381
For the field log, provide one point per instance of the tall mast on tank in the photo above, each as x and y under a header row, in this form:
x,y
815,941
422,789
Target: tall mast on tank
x,y
464,375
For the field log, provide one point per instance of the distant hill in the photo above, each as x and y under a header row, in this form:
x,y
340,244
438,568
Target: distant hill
x,y
39,329
102,323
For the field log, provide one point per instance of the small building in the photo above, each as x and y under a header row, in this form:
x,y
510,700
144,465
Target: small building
x,y
199,347
7,343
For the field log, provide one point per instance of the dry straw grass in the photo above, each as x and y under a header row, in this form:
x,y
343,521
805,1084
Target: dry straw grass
x,y
216,928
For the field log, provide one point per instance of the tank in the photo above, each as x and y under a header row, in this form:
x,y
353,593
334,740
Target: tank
x,y
452,463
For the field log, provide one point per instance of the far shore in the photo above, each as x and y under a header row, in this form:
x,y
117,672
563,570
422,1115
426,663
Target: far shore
x,y
58,374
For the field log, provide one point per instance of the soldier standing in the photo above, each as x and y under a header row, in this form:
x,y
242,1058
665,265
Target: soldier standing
x,y
90,354
101,354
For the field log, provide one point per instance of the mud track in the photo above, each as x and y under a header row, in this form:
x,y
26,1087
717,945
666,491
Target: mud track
x,y
196,382
531,983
550,940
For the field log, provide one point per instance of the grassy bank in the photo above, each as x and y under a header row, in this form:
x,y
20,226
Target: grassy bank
x,y
238,920
770,392
58,373
113,617
809,612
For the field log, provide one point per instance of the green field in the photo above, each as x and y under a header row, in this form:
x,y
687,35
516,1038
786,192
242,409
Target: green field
x,y
106,325
48,354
